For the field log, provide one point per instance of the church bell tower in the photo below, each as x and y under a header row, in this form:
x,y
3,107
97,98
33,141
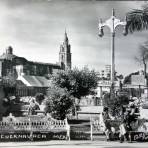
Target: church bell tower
x,y
65,53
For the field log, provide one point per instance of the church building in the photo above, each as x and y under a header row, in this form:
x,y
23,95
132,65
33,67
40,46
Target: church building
x,y
31,77
11,64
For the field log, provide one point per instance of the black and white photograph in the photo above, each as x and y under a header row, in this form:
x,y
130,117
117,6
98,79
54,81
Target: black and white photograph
x,y
73,74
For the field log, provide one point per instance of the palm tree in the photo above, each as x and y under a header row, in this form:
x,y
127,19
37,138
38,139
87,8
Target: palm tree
x,y
137,19
143,56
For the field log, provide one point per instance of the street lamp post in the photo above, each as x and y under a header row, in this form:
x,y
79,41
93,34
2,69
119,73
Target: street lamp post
x,y
112,23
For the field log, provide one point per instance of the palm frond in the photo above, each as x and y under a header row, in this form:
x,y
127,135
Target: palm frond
x,y
137,20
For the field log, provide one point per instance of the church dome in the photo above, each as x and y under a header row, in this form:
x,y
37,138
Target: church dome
x,y
9,50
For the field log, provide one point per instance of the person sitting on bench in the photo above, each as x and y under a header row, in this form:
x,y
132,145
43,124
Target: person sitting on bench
x,y
106,120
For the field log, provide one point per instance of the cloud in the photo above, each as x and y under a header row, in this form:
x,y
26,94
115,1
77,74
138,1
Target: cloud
x,y
35,29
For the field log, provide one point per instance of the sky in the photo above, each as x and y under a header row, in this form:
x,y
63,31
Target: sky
x,y
35,29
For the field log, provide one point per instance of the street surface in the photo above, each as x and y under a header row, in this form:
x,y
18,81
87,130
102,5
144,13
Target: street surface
x,y
72,144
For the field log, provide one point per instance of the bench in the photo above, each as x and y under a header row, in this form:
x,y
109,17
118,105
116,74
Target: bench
x,y
97,127
33,124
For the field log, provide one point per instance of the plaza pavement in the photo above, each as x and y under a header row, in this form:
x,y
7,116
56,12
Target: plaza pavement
x,y
73,144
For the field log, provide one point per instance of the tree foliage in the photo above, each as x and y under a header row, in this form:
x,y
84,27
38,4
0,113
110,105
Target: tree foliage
x,y
142,57
59,102
39,97
66,86
115,104
78,83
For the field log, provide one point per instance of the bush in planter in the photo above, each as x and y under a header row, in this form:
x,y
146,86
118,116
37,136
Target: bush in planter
x,y
58,103
115,104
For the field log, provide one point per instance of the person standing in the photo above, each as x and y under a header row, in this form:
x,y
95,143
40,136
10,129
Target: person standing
x,y
32,111
33,107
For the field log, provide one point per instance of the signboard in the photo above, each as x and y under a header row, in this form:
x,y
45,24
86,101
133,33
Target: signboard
x,y
133,86
104,83
137,80
138,136
107,83
36,136
123,93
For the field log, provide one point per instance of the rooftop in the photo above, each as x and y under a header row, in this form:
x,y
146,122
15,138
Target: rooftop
x,y
8,55
34,81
